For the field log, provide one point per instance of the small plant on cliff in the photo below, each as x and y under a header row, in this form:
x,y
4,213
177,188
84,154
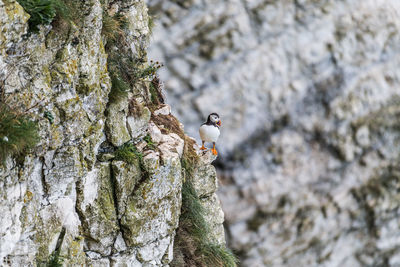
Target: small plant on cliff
x,y
55,260
17,132
43,11
119,88
125,72
150,143
156,92
151,23
112,27
149,71
168,124
218,255
121,81
128,153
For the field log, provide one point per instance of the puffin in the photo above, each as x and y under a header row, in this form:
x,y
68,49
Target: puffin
x,y
209,131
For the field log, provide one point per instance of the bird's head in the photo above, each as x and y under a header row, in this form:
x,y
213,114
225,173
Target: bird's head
x,y
214,118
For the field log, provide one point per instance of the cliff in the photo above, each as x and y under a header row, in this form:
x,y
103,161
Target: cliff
x,y
95,176
308,92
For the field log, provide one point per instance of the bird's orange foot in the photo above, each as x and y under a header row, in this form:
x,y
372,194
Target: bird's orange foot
x,y
214,151
202,148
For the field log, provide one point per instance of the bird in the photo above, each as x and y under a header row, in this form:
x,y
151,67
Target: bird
x,y
209,131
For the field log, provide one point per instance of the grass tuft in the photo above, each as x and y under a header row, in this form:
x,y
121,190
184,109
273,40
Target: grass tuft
x,y
168,124
55,260
193,246
134,109
124,73
119,88
150,143
112,27
217,255
125,69
17,132
42,12
65,9
151,24
193,213
156,93
128,153
47,114
149,71
192,243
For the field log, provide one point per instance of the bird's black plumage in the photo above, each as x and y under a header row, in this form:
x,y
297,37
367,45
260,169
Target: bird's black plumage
x,y
209,122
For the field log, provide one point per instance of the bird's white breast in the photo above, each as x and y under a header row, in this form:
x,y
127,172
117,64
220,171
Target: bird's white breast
x,y
209,133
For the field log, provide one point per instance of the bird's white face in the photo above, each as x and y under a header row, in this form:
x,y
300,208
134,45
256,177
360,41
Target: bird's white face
x,y
214,118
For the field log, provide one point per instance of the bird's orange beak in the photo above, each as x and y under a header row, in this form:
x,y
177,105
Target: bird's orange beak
x,y
219,123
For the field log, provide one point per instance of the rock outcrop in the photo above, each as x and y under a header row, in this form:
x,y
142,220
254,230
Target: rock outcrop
x,y
76,195
308,92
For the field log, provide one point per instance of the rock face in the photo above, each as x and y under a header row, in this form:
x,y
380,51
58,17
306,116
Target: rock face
x,y
72,194
308,92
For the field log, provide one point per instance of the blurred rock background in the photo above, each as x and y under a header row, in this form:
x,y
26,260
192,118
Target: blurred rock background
x,y
94,169
309,96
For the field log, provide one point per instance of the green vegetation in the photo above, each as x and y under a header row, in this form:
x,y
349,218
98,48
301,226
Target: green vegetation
x,y
55,260
193,246
125,69
41,12
119,88
128,153
150,143
192,238
151,24
149,71
217,255
118,64
192,213
119,68
112,27
126,72
155,89
129,69
17,132
44,11
49,116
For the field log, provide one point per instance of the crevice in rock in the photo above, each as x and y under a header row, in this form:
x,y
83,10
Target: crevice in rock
x,y
115,198
77,208
43,177
60,241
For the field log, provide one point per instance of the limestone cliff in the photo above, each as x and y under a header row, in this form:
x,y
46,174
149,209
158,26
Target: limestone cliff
x,y
103,185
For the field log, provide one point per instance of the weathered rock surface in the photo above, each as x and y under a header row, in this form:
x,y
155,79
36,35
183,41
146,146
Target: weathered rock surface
x,y
206,185
308,92
113,213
